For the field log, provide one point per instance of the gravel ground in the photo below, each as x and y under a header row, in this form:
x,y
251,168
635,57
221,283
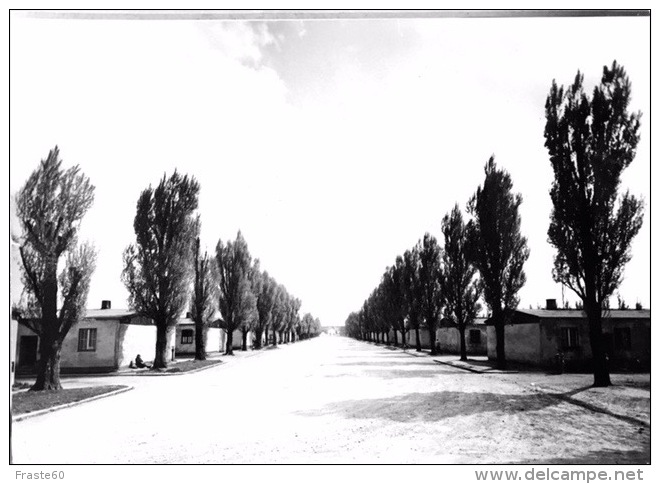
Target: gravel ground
x,y
336,400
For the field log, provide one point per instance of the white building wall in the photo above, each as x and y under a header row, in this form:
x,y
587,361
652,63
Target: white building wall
x,y
522,343
492,350
423,338
214,340
104,355
448,340
134,339
184,348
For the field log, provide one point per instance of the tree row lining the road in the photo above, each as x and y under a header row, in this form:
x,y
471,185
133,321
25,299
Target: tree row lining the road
x,y
159,267
590,141
164,271
429,282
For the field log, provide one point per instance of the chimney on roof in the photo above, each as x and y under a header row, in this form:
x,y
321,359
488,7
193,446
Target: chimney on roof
x,y
551,304
106,304
189,315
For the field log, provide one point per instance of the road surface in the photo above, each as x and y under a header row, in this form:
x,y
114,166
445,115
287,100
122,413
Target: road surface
x,y
328,400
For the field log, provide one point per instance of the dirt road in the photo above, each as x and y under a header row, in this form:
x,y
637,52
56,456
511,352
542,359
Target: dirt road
x,y
329,400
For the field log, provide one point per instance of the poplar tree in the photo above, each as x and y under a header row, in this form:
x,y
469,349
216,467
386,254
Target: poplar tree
x,y
50,207
236,301
203,299
497,248
460,288
158,267
591,140
430,277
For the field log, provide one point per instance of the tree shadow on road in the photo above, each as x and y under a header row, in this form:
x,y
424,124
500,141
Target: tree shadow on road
x,y
390,374
389,362
434,406
370,355
605,456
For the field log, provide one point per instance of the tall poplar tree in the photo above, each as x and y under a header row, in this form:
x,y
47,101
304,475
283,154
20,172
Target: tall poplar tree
x,y
498,250
591,140
460,289
236,301
265,294
50,207
203,298
430,277
413,292
158,267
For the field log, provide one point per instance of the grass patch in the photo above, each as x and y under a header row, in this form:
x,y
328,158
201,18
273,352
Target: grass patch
x,y
21,385
27,402
189,365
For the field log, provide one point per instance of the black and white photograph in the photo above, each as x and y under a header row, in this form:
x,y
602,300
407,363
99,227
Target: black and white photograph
x,y
331,237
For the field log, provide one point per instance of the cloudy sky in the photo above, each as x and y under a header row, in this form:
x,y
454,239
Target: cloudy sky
x,y
333,145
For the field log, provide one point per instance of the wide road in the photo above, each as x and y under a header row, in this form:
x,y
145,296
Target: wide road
x,y
328,400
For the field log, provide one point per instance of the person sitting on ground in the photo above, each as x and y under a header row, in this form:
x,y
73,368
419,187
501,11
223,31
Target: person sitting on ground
x,y
140,363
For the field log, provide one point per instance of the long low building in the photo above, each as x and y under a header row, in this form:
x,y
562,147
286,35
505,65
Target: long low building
x,y
104,340
185,337
448,338
538,336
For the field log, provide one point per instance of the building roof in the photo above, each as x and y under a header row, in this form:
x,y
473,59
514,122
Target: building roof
x,y
122,315
109,313
448,323
190,322
579,313
522,316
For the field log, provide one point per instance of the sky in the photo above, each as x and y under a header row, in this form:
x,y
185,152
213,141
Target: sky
x,y
333,145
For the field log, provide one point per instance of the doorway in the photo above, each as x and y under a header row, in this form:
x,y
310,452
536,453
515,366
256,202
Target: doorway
x,y
27,356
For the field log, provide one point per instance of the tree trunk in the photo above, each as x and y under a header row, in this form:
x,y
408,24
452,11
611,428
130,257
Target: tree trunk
x,y
499,343
48,375
200,340
258,335
599,356
245,335
418,342
434,351
229,349
396,342
461,332
160,360
274,337
48,367
281,336
592,307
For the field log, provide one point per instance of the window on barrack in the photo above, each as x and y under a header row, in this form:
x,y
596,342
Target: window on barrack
x,y
187,336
